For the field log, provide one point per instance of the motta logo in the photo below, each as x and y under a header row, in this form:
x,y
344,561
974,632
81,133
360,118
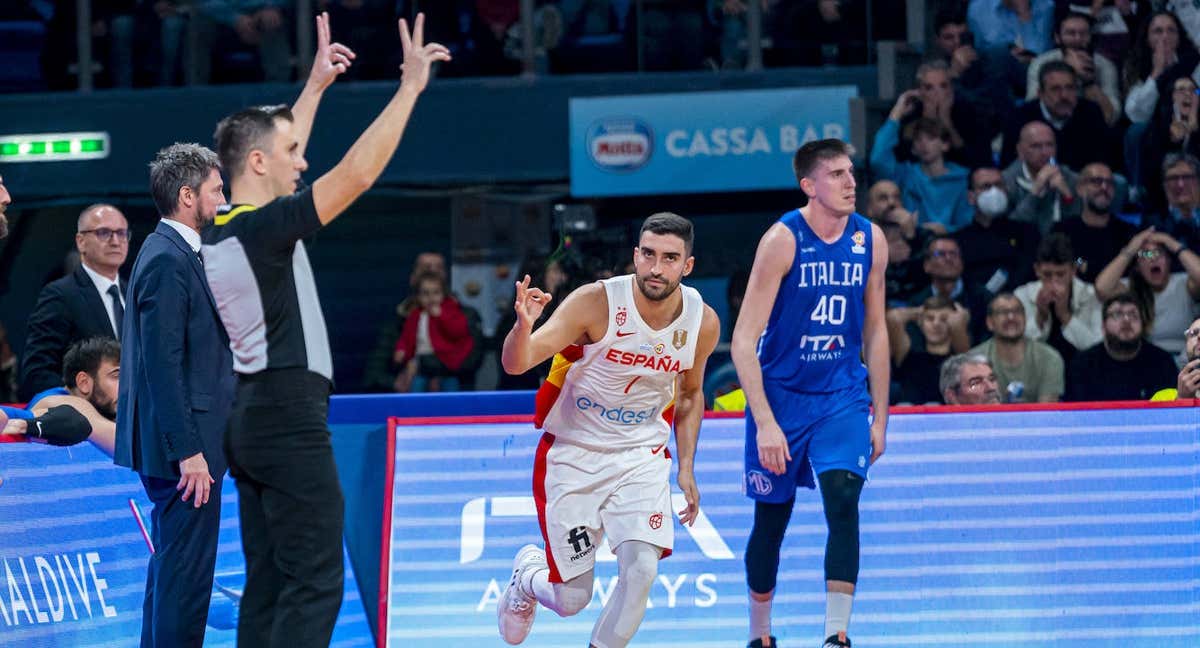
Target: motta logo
x,y
476,513
621,144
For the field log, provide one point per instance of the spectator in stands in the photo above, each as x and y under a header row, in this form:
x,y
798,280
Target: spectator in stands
x,y
1181,187
1189,16
906,241
1005,24
1160,48
943,325
821,32
1096,235
956,46
112,32
259,24
1124,366
1081,133
931,186
1041,191
730,17
968,379
1172,130
362,25
1028,371
87,303
997,250
944,267
970,128
1114,23
1187,383
1167,299
1097,75
435,342
380,375
1060,308
673,34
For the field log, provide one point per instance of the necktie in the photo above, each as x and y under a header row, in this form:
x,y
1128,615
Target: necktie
x,y
118,309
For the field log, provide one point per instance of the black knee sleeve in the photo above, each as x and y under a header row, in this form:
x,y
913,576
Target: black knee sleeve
x,y
762,549
840,490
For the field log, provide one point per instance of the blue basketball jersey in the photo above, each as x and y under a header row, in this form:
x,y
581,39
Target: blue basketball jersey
x,y
813,340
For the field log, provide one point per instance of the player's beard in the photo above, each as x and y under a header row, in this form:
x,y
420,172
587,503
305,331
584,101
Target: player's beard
x,y
3,225
656,294
107,409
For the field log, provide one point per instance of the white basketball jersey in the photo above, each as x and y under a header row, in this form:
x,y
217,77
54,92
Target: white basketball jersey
x,y
621,392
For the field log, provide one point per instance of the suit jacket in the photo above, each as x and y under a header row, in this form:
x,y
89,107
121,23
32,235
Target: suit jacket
x,y
177,380
68,310
1083,139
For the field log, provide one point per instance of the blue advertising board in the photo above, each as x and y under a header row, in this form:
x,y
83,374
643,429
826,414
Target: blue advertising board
x,y
73,557
1077,529
699,142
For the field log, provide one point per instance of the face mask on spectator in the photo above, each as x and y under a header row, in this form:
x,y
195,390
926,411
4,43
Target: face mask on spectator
x,y
993,201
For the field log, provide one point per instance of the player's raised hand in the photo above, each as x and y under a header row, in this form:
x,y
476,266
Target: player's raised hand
x,y
332,59
418,57
773,452
687,484
530,303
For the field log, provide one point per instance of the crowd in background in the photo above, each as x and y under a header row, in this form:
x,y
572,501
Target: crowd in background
x,y
1038,187
171,42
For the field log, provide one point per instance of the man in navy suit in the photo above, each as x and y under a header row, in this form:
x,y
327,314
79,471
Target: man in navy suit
x,y
175,395
85,304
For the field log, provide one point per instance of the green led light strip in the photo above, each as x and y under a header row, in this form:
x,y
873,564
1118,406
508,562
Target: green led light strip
x,y
53,147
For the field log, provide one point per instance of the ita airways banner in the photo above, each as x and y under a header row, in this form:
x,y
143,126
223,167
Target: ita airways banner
x,y
1076,529
699,142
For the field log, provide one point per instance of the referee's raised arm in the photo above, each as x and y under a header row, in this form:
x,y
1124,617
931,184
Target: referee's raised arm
x,y
360,167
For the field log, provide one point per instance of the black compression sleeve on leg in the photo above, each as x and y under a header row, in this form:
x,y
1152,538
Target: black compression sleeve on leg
x,y
840,490
762,549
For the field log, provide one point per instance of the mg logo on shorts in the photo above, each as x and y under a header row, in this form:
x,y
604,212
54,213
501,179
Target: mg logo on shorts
x,y
759,483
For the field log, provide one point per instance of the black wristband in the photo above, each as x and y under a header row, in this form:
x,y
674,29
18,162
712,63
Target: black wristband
x,y
1181,250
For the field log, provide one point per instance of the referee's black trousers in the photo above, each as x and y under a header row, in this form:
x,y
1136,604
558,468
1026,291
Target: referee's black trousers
x,y
291,508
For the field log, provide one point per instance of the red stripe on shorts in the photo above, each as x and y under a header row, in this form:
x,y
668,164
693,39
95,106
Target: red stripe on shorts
x,y
539,498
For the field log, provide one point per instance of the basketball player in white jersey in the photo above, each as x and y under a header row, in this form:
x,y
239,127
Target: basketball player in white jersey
x,y
629,356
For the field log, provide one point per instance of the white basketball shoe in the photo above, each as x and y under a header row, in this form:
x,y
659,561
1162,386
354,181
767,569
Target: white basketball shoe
x,y
515,610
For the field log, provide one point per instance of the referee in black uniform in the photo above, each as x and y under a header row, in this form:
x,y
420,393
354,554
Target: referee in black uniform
x,y
278,441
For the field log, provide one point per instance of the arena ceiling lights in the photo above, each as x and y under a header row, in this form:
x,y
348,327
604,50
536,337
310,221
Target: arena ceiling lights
x,y
54,147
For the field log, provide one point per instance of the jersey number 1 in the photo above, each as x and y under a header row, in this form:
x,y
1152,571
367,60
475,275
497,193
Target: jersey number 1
x,y
831,309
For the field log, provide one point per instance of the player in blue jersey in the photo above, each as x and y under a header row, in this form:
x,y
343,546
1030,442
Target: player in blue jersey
x,y
813,310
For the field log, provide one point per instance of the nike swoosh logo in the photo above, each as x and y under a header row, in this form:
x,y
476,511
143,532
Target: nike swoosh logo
x,y
622,334
660,447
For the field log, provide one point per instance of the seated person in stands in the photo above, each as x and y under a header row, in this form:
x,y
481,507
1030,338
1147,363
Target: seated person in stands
x,y
931,186
1167,299
86,407
906,241
1060,308
1096,235
944,267
435,342
968,379
1124,366
1187,382
997,250
1028,371
916,370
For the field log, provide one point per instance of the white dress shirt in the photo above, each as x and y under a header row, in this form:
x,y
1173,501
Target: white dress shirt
x,y
102,284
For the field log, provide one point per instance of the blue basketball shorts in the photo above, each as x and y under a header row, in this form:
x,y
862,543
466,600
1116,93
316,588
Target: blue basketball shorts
x,y
825,431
